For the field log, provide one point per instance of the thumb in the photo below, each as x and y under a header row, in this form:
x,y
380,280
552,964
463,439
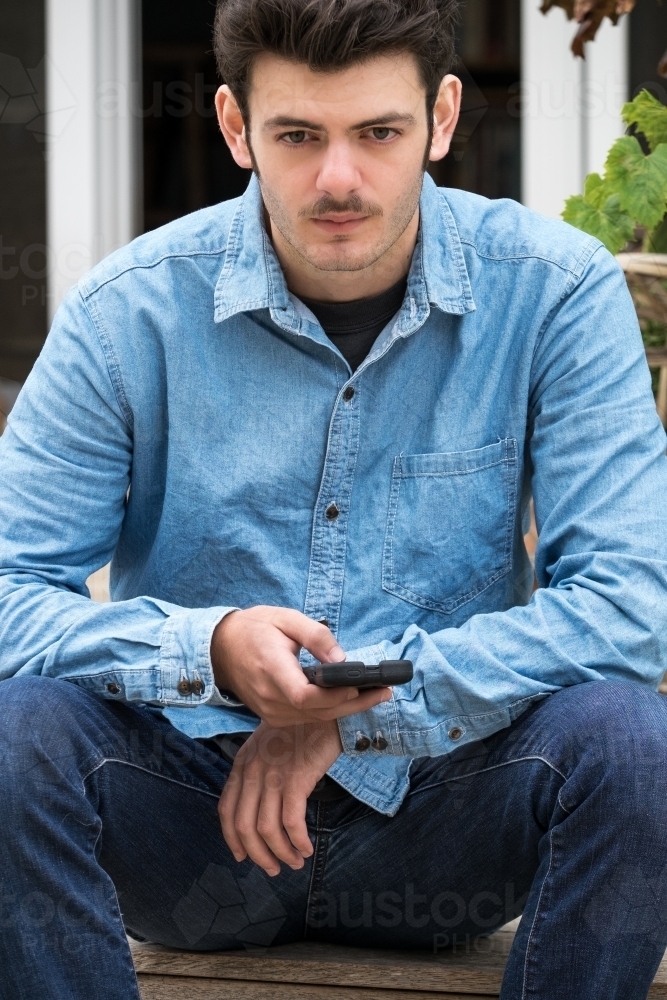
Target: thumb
x,y
314,636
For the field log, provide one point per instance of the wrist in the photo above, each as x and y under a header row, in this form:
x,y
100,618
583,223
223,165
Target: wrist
x,y
334,737
219,654
327,737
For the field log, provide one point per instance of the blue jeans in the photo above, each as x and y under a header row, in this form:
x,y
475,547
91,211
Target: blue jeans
x,y
108,823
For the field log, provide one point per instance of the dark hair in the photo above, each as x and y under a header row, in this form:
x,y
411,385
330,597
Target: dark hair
x,y
328,35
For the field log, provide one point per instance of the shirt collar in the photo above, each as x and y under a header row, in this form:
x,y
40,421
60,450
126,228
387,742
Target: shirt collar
x,y
251,277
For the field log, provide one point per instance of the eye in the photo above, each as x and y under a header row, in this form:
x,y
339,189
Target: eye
x,y
382,133
295,138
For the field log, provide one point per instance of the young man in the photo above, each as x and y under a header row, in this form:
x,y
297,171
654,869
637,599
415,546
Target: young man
x,y
307,424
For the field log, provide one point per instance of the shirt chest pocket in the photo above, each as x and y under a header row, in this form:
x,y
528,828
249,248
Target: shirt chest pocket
x,y
450,525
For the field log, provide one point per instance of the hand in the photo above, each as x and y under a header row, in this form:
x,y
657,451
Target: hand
x,y
262,808
254,655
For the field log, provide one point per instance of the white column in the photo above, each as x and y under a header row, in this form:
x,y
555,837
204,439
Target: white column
x,y
571,108
94,134
608,73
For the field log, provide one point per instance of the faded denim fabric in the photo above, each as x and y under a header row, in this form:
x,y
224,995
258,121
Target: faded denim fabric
x,y
187,418
110,822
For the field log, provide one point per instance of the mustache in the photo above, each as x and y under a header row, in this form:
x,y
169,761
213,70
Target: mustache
x,y
327,205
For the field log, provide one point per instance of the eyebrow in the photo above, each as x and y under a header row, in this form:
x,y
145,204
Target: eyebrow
x,y
284,121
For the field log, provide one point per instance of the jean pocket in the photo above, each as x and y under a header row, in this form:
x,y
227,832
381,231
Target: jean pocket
x,y
450,525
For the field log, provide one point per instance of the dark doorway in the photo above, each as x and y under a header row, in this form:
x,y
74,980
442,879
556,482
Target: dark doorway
x,y
186,162
648,43
22,191
486,152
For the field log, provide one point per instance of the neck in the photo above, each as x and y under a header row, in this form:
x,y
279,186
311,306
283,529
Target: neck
x,y
307,281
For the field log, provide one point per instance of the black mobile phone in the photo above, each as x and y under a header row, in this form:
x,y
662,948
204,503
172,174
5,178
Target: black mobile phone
x,y
360,675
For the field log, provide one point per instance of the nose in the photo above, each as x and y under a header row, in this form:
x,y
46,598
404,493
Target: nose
x,y
339,175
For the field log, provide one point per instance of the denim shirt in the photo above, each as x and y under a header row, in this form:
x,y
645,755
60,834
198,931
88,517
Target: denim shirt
x,y
188,418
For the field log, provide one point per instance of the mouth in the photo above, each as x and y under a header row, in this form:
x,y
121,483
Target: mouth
x,y
338,224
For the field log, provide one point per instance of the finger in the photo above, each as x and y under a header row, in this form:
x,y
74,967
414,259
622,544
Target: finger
x,y
294,821
317,704
227,806
270,824
245,822
365,701
313,636
307,697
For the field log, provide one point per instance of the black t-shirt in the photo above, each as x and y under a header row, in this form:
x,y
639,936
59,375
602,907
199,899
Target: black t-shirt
x,y
354,326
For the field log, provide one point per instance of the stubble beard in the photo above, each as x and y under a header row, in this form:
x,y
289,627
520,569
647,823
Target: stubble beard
x,y
341,253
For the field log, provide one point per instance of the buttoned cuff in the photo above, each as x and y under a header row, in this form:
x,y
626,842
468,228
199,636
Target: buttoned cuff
x,y
186,671
403,727
376,731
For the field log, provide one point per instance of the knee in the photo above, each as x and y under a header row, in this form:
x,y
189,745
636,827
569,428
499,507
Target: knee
x,y
43,752
31,697
622,717
37,714
619,728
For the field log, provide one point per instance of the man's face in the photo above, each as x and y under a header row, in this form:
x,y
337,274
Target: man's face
x,y
339,156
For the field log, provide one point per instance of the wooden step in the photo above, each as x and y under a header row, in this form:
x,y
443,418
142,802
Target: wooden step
x,y
311,971
189,988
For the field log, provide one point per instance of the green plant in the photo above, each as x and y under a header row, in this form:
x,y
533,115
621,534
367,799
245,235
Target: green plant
x,y
631,201
632,194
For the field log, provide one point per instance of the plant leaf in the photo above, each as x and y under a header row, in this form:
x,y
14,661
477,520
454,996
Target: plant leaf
x,y
656,242
590,15
640,181
567,5
596,191
609,223
649,116
579,10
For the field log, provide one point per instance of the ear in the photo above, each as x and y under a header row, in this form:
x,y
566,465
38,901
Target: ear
x,y
232,126
446,115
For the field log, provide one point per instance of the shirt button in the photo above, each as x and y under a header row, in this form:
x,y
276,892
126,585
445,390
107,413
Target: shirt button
x,y
379,742
362,743
332,512
113,689
198,687
348,394
455,733
324,621
184,687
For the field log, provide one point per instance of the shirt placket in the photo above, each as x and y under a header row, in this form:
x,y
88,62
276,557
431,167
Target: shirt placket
x,y
326,571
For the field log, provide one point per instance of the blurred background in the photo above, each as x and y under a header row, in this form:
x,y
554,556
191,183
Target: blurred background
x,y
107,129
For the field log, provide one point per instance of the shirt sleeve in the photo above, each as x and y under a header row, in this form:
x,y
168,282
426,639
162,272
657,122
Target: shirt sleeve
x,y
65,464
596,451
